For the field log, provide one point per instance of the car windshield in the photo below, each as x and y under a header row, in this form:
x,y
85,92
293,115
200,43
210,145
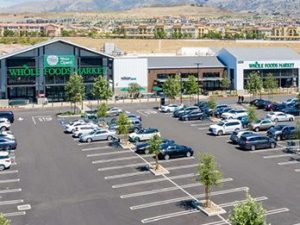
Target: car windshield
x,y
220,123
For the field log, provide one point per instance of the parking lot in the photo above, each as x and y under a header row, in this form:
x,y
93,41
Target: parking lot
x,y
67,182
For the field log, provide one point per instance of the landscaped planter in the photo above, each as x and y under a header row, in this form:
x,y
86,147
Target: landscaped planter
x,y
126,145
160,171
213,210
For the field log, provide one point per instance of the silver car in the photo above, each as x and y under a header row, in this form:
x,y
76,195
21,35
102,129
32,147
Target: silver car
x,y
98,135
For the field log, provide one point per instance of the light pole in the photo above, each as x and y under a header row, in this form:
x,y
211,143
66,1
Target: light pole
x,y
181,86
198,65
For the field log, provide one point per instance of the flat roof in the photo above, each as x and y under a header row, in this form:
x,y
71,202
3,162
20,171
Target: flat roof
x,y
180,62
266,53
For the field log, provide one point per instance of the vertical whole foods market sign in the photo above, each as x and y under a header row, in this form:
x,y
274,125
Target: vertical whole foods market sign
x,y
59,61
57,66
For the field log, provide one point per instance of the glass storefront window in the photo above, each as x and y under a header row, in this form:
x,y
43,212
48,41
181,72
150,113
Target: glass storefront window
x,y
211,75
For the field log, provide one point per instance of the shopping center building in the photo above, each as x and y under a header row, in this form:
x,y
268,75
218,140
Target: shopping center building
x,y
42,70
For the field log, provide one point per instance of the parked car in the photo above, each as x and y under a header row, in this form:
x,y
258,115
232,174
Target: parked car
x,y
218,112
290,101
98,135
275,106
253,102
295,111
71,126
143,135
244,120
8,144
236,135
192,115
261,103
234,114
5,161
7,135
280,117
225,127
263,124
182,111
253,142
8,115
282,132
114,111
170,108
84,129
133,116
175,150
201,104
142,148
136,125
4,124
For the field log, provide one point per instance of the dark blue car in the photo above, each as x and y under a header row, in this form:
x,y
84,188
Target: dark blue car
x,y
8,144
174,151
253,142
142,148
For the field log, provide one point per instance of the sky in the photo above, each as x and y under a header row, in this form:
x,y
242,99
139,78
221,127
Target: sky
x,y
6,3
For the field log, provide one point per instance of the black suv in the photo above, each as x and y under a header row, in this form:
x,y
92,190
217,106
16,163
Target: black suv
x,y
8,115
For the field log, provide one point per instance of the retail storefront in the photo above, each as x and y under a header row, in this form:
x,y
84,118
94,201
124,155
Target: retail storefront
x,y
282,63
43,70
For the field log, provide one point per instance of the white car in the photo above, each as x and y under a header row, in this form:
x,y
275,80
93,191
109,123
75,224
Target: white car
x,y
170,108
143,134
7,134
84,129
4,124
71,126
225,127
114,111
5,161
234,114
280,117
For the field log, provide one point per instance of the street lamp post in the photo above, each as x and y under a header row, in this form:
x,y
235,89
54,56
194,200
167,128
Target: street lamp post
x,y
198,65
181,86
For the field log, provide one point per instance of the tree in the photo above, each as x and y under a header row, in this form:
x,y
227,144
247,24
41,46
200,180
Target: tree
x,y
247,213
270,84
172,87
101,89
123,124
209,175
75,89
102,110
154,145
191,86
225,83
254,84
212,103
251,114
3,220
297,133
134,90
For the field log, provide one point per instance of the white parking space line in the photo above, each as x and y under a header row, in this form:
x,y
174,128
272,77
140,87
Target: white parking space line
x,y
95,142
121,167
95,148
126,175
181,167
229,204
108,153
156,180
191,211
33,120
277,156
12,214
276,211
11,202
297,170
9,181
174,200
172,188
202,128
8,172
10,190
267,150
115,160
200,124
288,163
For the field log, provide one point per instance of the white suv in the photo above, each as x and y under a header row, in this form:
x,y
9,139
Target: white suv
x,y
4,124
225,127
5,161
71,126
234,114
84,129
143,135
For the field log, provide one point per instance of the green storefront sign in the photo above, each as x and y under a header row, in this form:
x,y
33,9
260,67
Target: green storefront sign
x,y
59,61
258,65
56,71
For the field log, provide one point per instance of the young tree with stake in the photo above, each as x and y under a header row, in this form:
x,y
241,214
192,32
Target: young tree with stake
x,y
75,89
101,89
172,87
123,124
154,145
191,86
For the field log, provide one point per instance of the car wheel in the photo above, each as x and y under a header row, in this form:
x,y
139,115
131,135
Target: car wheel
x,y
109,138
291,119
186,119
256,129
3,128
230,118
2,167
188,154
237,129
278,138
253,148
276,120
220,133
89,140
137,140
167,157
146,151
272,145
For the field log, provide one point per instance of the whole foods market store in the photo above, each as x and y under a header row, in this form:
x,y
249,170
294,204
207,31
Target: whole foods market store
x,y
43,70
282,63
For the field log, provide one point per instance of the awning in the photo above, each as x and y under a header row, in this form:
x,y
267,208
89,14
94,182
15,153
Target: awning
x,y
126,89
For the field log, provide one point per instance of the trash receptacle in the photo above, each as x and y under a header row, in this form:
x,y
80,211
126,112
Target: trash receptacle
x,y
162,101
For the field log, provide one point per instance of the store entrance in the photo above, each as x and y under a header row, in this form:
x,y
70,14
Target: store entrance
x,y
26,93
55,93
